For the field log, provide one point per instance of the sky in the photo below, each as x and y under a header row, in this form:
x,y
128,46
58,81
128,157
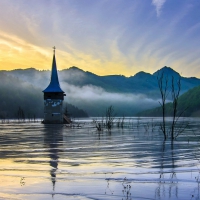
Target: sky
x,y
101,36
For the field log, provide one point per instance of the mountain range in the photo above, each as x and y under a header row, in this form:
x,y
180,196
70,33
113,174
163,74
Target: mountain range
x,y
140,83
93,93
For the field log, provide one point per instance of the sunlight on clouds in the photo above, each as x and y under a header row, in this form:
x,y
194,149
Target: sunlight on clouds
x,y
20,54
100,37
24,46
99,64
17,53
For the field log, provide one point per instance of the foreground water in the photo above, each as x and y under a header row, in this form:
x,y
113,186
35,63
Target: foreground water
x,y
57,162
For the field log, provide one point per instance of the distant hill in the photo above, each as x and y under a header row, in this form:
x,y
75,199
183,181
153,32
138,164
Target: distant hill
x,y
167,71
189,101
74,112
93,93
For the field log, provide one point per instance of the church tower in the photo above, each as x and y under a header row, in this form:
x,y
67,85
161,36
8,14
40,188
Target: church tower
x,y
53,98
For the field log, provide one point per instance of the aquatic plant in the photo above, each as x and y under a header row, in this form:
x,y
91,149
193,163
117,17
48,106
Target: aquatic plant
x,y
120,122
109,119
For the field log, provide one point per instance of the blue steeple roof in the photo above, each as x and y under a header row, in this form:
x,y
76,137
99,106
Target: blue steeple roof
x,y
54,85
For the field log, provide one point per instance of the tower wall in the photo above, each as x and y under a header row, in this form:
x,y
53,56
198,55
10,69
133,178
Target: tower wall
x,y
53,111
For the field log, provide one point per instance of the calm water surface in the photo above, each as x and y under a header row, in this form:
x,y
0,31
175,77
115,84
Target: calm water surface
x,y
55,162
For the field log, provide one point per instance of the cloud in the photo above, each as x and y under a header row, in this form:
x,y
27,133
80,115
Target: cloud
x,y
158,4
99,36
95,100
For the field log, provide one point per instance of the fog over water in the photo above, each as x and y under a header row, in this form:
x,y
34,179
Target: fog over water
x,y
94,99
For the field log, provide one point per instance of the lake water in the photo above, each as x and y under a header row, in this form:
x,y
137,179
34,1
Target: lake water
x,y
56,162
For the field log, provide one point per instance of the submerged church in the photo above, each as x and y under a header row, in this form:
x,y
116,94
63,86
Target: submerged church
x,y
53,98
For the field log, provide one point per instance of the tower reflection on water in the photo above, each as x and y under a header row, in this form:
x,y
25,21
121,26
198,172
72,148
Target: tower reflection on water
x,y
53,141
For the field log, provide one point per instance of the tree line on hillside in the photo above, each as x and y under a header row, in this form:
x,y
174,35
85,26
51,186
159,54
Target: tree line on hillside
x,y
189,101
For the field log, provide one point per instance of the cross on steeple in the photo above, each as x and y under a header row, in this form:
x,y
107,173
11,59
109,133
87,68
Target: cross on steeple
x,y
54,49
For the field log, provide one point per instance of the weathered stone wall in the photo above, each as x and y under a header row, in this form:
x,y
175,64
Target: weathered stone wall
x,y
53,112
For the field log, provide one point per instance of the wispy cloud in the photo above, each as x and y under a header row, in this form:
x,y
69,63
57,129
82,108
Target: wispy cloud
x,y
100,36
158,4
18,50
